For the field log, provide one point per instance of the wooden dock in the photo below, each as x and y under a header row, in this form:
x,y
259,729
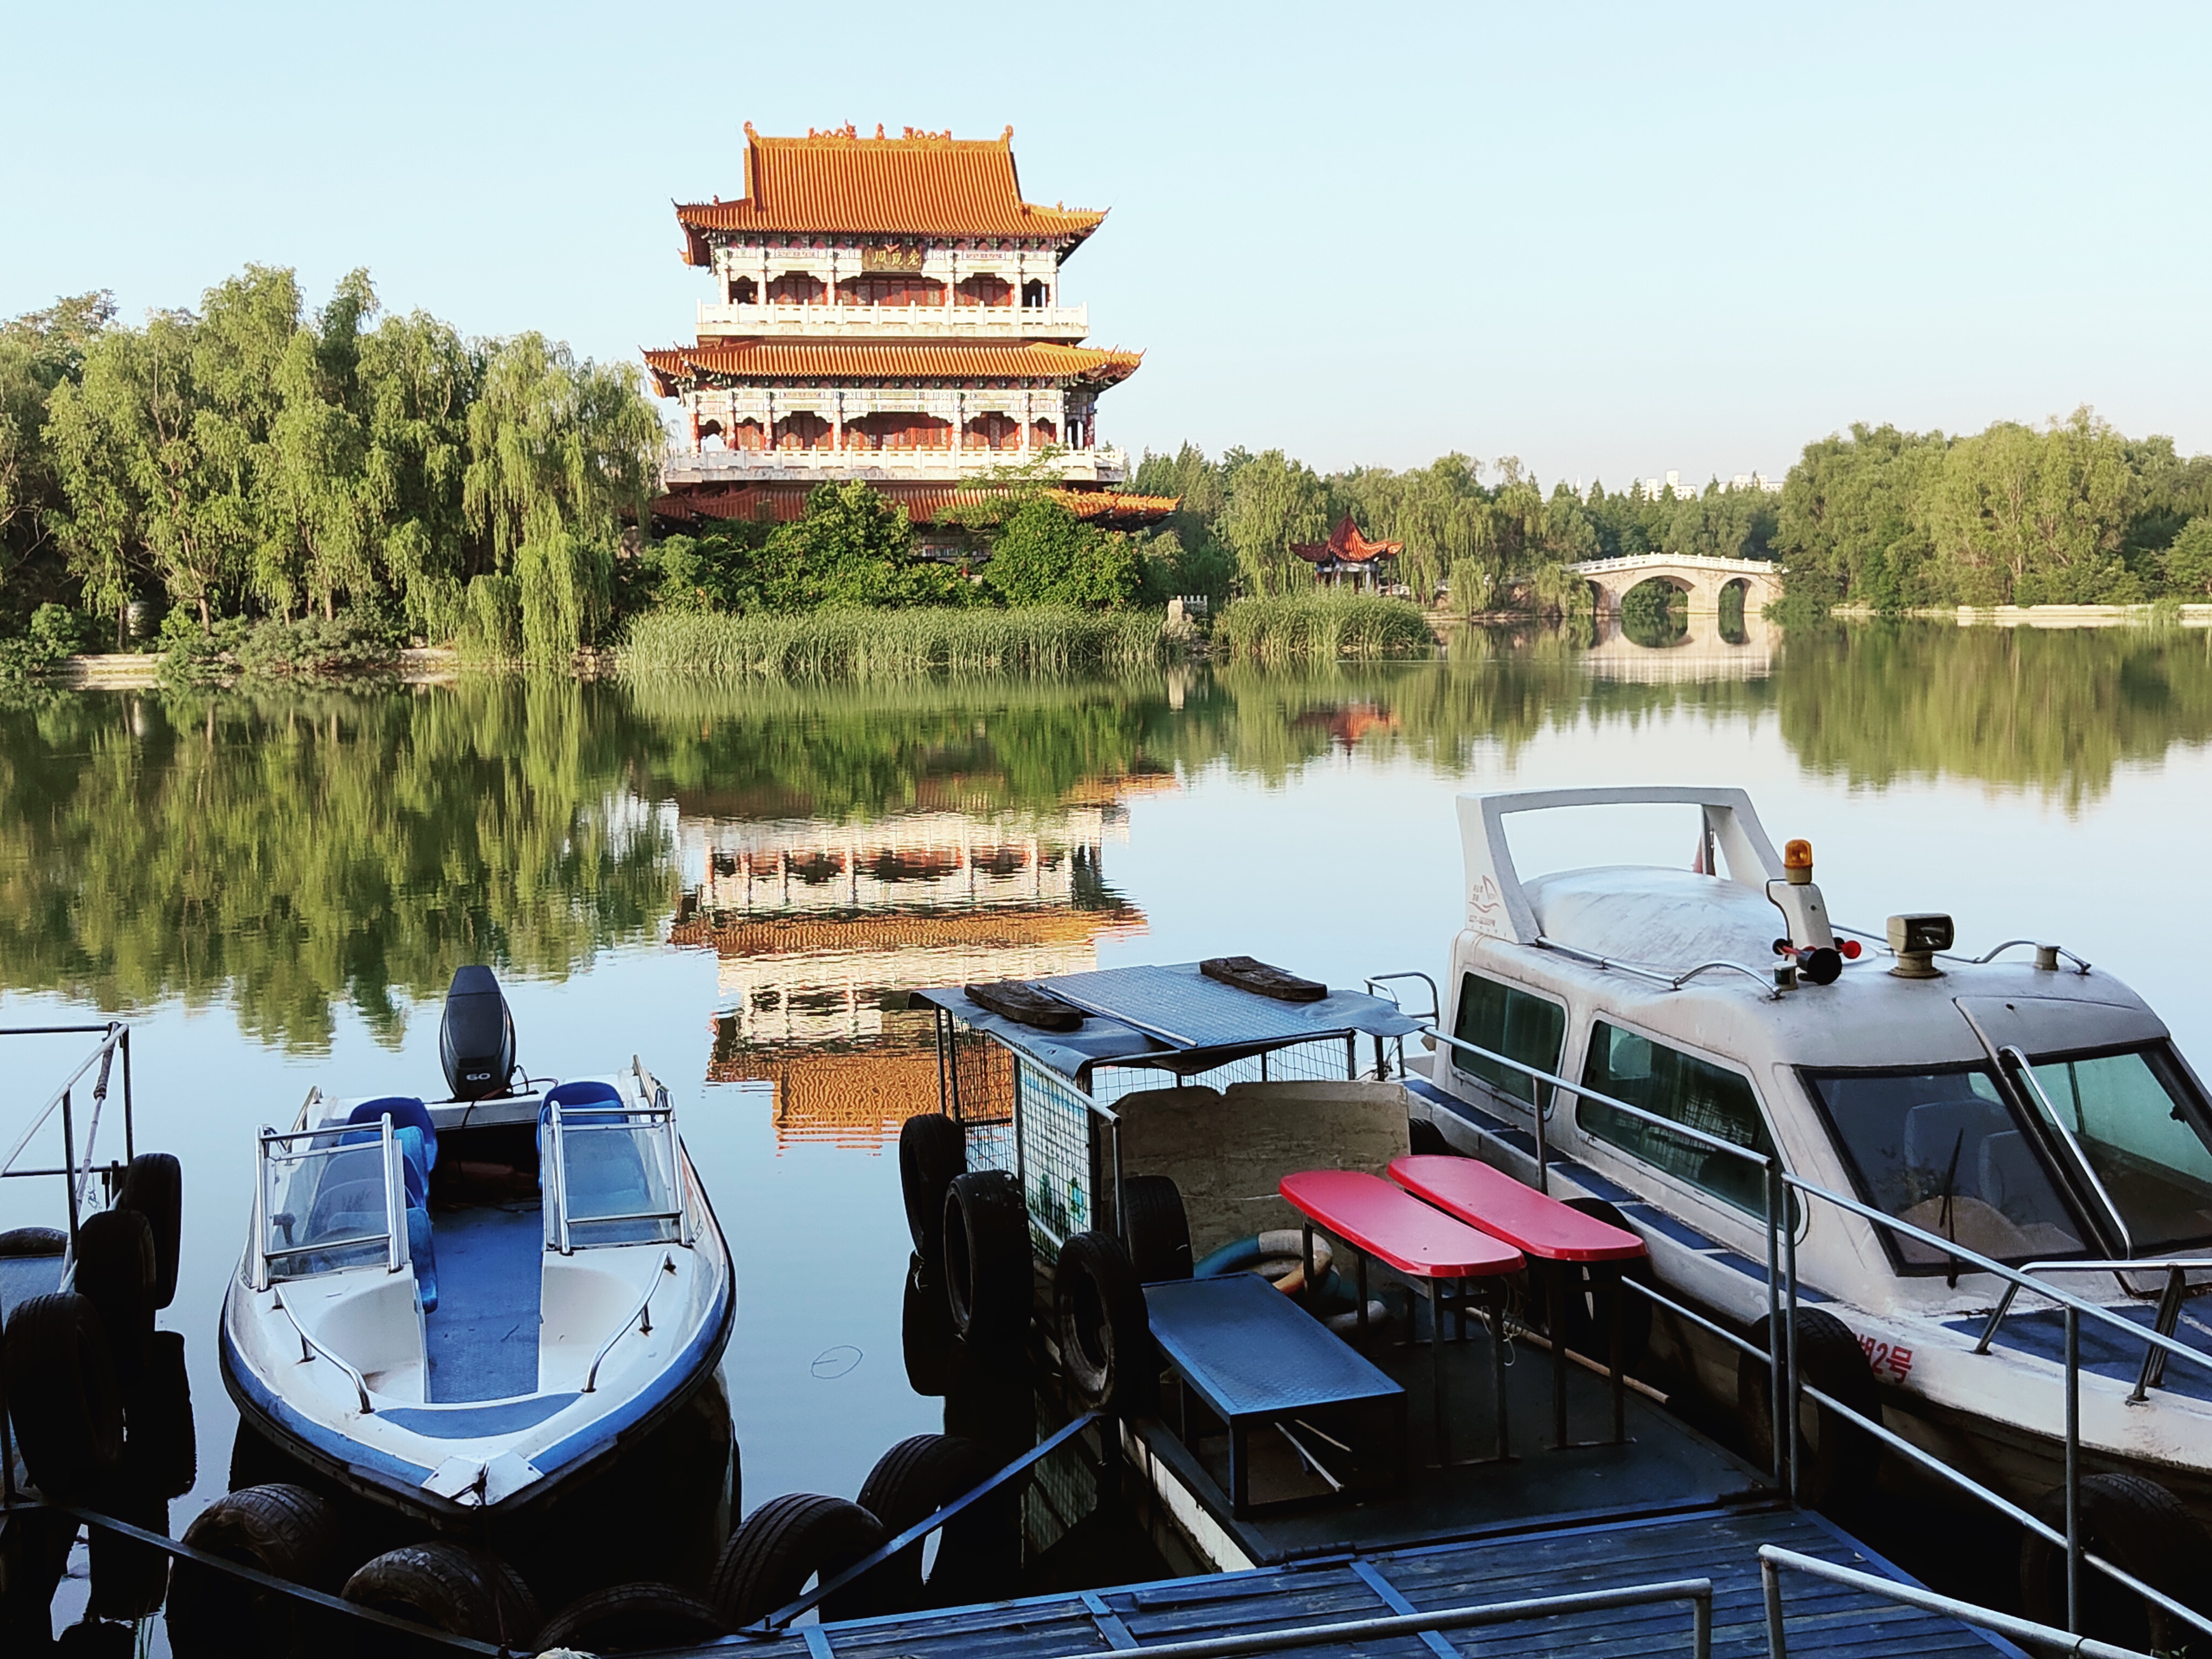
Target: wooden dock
x,y
1718,1543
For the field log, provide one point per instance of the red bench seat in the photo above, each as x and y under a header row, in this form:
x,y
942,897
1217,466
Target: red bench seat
x,y
1391,1225
1566,1241
1492,1201
1430,1250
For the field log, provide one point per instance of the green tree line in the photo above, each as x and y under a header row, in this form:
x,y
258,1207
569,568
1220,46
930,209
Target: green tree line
x,y
1500,544
255,457
2072,512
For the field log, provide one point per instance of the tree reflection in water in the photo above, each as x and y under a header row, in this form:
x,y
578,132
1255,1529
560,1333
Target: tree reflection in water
x,y
296,853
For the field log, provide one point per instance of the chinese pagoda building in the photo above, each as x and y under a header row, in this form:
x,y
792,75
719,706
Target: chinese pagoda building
x,y
1347,556
887,309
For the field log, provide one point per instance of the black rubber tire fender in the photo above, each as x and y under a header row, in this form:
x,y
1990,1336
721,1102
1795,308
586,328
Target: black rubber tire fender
x,y
161,1446
1838,1461
154,1186
281,1529
91,1638
639,1618
129,1579
1105,1333
115,1268
912,1481
20,1241
63,1399
462,1591
1588,1331
782,1546
2141,1528
986,1256
926,1338
933,1151
1156,1228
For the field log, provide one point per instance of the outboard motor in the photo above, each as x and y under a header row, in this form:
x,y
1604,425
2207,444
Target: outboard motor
x,y
475,1042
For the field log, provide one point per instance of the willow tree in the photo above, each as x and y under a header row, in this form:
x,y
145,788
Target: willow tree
x,y
1272,501
556,448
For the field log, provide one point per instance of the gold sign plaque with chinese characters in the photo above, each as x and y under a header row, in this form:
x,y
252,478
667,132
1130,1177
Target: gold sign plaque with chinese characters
x,y
898,256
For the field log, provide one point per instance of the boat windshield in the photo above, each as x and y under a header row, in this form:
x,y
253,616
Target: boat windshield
x,y
1941,1148
619,1178
2143,1126
325,1205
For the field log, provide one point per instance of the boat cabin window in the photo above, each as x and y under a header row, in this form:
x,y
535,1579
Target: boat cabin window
x,y
2143,1128
1941,1149
1512,1022
1694,1092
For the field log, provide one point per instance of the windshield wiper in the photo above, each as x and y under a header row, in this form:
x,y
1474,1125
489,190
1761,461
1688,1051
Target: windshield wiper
x,y
1946,1214
2003,1061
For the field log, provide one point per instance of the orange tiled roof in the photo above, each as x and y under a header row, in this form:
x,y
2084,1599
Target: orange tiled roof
x,y
785,502
922,184
873,360
1345,545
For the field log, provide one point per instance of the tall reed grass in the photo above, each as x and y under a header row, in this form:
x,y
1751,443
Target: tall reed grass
x,y
1322,625
861,644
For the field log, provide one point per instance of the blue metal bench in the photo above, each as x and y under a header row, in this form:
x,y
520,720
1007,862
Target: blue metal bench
x,y
1256,1359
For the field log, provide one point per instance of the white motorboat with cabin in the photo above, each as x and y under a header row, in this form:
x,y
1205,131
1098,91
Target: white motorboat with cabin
x,y
1999,1167
460,1308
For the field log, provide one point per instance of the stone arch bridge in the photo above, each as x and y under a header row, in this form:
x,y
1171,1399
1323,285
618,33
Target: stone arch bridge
x,y
1699,576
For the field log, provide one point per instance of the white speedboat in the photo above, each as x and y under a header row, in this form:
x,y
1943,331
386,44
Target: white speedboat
x,y
1964,1136
460,1307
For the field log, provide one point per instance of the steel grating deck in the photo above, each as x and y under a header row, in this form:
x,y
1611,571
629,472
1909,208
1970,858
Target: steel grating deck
x,y
1719,1544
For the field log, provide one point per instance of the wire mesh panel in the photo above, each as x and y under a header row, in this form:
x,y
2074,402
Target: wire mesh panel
x,y
979,1076
1059,1155
1325,1060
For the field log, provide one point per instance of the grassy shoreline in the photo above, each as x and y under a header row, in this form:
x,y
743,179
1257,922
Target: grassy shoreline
x,y
893,644
1323,625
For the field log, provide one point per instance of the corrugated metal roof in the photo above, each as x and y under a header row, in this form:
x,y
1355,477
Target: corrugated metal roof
x,y
1172,1012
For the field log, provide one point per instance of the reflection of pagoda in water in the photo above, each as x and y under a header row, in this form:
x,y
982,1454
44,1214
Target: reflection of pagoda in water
x,y
823,928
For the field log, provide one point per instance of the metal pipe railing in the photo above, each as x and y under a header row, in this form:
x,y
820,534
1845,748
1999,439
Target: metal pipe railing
x,y
642,1314
1697,1592
770,1624
1789,1388
1773,1560
309,1348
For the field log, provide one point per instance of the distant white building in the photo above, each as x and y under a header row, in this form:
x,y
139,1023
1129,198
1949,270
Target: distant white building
x,y
1672,480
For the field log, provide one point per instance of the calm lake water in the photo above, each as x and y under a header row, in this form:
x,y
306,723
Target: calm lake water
x,y
736,883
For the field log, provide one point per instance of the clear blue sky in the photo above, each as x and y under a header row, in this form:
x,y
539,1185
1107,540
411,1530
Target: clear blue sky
x,y
1610,240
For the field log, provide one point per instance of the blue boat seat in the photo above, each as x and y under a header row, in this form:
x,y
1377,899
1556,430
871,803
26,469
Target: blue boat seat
x,y
406,1112
570,1096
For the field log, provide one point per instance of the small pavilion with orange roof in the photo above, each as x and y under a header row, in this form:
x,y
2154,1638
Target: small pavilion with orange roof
x,y
1348,555
888,309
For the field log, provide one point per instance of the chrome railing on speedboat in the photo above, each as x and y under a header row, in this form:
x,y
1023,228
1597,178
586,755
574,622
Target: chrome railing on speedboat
x,y
642,1314
643,1128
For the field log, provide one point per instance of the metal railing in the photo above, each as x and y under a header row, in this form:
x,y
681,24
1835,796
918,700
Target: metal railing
x,y
1789,1389
309,1348
182,1552
608,1116
642,1314
1697,1592
1774,1560
394,1236
77,1169
773,1623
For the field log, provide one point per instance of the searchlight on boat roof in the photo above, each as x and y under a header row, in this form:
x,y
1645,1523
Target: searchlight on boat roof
x,y
1915,939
